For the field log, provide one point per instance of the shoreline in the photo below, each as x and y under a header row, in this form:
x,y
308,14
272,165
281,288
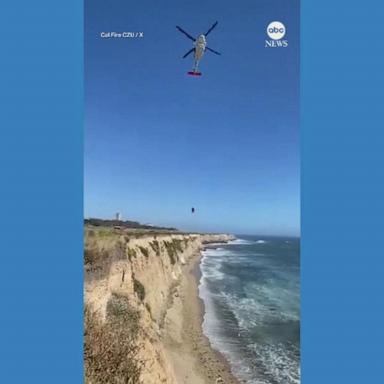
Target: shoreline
x,y
193,359
197,275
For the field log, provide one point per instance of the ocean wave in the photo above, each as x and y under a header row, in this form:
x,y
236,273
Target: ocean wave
x,y
210,265
252,310
216,252
211,274
240,242
213,245
279,362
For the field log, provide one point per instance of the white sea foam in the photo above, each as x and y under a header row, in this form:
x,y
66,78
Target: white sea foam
x,y
210,264
279,363
217,252
248,312
240,242
211,322
212,274
213,245
255,305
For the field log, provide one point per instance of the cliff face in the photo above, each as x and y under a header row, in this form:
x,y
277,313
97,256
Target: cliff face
x,y
145,270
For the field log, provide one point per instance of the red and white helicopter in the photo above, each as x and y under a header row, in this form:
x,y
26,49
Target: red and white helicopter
x,y
199,48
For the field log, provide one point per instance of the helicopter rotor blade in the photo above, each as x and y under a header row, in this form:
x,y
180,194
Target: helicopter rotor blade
x,y
213,51
185,33
188,53
210,29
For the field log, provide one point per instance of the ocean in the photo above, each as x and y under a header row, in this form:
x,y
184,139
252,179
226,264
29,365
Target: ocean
x,y
251,292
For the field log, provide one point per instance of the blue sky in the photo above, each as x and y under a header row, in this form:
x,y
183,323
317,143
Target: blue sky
x,y
158,142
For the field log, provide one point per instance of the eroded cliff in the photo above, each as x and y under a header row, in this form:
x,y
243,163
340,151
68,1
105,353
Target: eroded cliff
x,y
140,271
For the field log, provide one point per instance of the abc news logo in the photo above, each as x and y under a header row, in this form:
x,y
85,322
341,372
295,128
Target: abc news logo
x,y
276,31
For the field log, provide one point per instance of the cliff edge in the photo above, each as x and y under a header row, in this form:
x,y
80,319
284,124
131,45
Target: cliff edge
x,y
130,279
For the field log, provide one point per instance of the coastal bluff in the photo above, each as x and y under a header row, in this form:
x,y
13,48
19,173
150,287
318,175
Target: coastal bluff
x,y
136,274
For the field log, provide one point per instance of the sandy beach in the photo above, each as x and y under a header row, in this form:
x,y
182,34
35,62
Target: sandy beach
x,y
188,350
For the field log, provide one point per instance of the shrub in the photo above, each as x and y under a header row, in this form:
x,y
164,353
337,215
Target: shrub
x,y
94,256
139,289
97,261
110,348
89,255
177,245
144,251
100,259
131,253
119,251
120,311
172,252
155,246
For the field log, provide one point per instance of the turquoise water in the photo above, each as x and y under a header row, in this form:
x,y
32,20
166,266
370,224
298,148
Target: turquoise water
x,y
251,291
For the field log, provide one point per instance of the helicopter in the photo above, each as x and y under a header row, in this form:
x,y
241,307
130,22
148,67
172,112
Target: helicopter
x,y
199,48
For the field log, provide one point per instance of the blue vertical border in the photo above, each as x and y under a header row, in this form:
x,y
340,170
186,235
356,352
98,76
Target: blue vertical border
x,y
342,125
41,152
